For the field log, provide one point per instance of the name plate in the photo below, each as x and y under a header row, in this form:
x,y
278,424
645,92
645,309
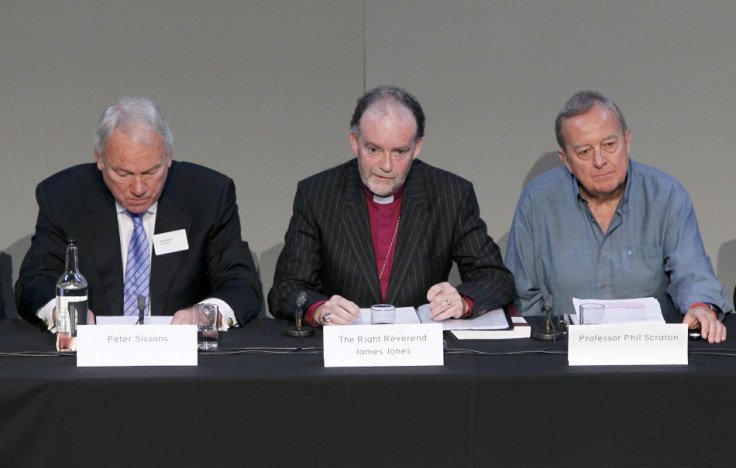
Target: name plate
x,y
136,345
627,344
383,345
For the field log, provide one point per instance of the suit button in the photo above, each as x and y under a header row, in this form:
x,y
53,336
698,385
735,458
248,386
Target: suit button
x,y
230,322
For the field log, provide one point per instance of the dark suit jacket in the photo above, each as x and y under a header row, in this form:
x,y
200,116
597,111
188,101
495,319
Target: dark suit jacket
x,y
329,250
75,203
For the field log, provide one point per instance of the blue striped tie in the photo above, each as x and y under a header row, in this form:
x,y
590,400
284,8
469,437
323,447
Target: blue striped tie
x,y
137,267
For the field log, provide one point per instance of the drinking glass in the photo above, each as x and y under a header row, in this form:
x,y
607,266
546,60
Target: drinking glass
x,y
592,313
205,318
382,314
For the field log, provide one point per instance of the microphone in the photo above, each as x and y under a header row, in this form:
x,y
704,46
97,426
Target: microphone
x,y
299,311
299,330
141,309
550,332
547,306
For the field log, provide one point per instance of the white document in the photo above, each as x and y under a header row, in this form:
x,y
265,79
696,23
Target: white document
x,y
493,320
404,315
132,319
642,310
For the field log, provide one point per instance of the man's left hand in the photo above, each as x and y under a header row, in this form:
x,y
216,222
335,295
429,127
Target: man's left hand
x,y
711,328
445,302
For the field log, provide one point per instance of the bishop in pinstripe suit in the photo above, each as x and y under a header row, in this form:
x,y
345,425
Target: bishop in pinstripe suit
x,y
385,227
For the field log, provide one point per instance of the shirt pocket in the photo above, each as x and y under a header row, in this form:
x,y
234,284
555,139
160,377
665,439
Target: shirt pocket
x,y
641,272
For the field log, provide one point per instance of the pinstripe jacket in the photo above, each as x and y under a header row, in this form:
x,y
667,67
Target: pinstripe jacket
x,y
329,250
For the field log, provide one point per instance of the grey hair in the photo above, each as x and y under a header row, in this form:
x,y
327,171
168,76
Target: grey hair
x,y
130,113
388,96
580,103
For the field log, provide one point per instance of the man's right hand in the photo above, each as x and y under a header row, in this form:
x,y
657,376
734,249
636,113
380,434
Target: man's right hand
x,y
336,311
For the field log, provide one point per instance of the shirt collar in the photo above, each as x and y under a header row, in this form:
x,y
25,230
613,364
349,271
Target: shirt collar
x,y
370,196
622,205
152,209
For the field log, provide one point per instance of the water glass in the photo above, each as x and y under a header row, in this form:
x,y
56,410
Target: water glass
x,y
382,314
205,317
592,313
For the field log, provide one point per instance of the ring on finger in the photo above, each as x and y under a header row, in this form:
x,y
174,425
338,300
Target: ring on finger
x,y
326,317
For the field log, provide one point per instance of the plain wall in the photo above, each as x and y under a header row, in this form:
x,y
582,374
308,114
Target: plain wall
x,y
263,91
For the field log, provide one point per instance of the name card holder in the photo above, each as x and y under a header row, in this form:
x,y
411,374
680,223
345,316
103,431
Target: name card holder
x,y
136,345
383,345
627,344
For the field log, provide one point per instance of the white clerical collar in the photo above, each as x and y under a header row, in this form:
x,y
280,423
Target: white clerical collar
x,y
383,200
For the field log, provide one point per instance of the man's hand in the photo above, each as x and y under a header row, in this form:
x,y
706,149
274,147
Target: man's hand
x,y
445,302
183,317
710,328
186,317
336,311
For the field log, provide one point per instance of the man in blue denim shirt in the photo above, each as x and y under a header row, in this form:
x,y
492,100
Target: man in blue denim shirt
x,y
606,227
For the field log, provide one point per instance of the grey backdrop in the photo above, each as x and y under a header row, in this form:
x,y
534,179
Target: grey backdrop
x,y
262,90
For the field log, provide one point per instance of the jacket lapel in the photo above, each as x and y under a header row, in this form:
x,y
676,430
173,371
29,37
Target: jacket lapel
x,y
171,214
104,241
356,228
414,216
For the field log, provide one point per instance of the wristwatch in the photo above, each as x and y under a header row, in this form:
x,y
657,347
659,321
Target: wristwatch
x,y
716,310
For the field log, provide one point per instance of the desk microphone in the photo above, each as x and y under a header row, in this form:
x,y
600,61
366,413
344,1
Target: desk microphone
x,y
551,331
547,306
299,329
141,309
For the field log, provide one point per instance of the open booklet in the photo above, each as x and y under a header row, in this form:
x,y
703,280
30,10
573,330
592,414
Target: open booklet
x,y
494,321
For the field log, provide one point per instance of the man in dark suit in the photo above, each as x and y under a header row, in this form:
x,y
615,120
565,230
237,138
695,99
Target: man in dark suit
x,y
386,227
189,214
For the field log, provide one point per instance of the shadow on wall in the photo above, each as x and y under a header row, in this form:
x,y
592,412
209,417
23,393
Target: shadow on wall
x,y
5,275
258,273
10,261
727,266
267,270
545,163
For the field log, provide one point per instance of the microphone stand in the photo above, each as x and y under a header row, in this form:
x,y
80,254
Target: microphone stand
x,y
551,331
141,310
299,330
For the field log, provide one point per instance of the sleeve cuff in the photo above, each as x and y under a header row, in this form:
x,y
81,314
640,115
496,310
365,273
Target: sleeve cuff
x,y
46,314
309,315
227,312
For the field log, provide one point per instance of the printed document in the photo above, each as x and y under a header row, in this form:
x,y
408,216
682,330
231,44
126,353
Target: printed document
x,y
642,310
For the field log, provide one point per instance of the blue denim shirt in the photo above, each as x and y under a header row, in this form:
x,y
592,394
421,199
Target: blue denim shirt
x,y
652,247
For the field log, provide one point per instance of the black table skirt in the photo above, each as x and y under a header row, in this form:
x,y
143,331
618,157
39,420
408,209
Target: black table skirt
x,y
288,410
